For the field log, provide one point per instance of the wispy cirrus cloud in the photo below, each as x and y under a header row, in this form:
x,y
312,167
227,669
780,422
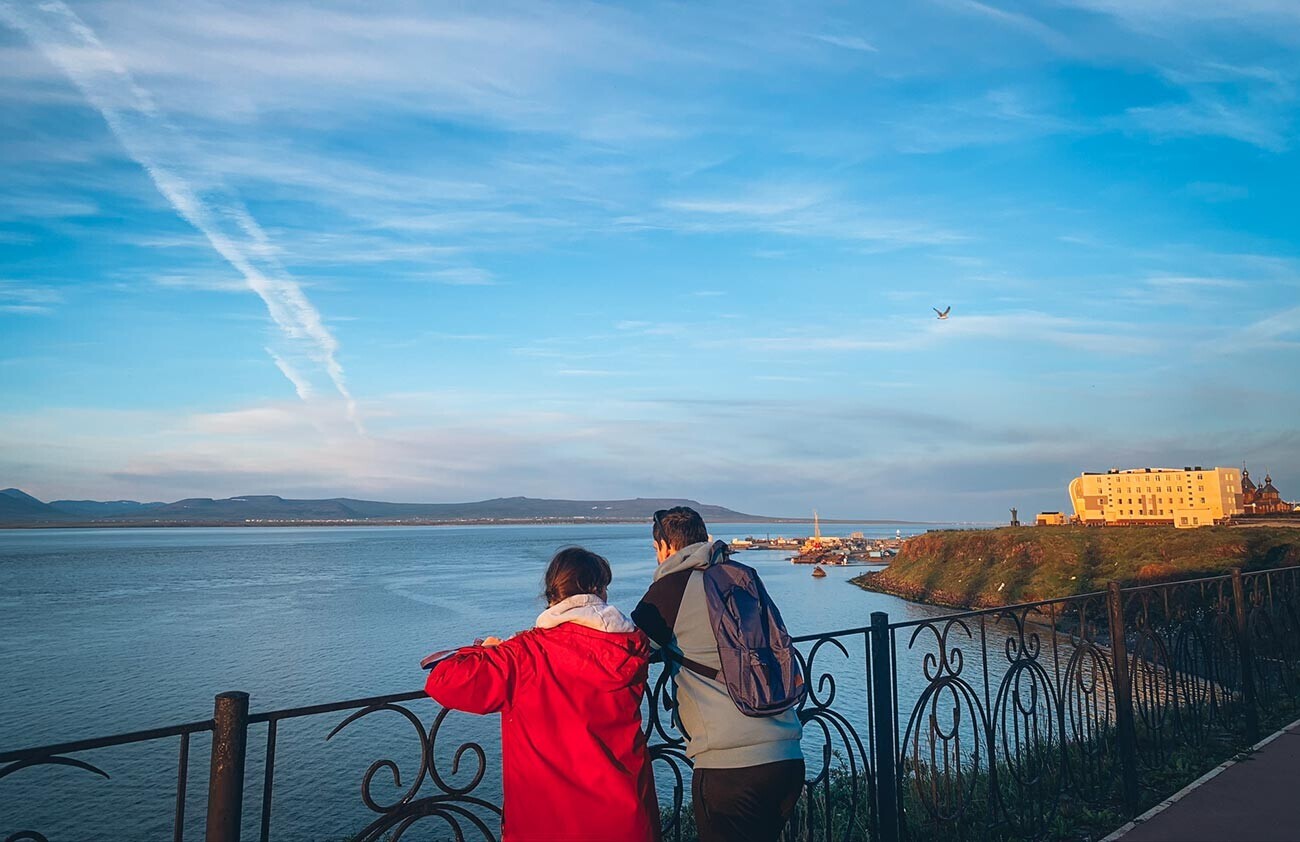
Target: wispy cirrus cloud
x,y
1192,282
207,283
25,299
465,276
1209,114
1016,20
847,42
805,211
1011,328
197,195
1159,15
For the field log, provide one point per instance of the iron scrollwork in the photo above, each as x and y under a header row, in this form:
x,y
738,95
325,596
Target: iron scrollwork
x,y
454,805
836,797
945,745
51,760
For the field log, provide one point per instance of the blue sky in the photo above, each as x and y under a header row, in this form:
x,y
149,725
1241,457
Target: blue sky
x,y
435,251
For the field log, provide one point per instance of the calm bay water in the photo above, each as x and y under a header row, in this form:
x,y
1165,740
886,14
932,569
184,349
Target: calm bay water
x,y
104,631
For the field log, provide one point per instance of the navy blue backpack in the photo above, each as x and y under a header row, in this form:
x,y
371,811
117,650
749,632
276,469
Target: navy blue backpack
x,y
759,666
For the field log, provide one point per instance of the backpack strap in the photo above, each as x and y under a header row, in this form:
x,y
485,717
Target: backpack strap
x,y
694,666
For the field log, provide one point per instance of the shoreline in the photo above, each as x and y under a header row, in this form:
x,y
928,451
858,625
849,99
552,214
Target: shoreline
x,y
869,582
969,571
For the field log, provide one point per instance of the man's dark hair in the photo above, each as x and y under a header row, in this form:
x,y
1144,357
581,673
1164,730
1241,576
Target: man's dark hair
x,y
574,571
679,527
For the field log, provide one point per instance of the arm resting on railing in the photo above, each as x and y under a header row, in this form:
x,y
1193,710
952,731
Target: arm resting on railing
x,y
477,679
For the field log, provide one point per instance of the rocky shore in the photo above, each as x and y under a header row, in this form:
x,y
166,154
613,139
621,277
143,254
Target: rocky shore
x,y
990,568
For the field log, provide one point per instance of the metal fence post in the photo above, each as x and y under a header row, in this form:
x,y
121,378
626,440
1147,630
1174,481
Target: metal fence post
x,y
1126,731
1247,653
226,778
883,723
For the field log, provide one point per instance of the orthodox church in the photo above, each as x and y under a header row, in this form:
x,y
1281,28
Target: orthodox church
x,y
1263,499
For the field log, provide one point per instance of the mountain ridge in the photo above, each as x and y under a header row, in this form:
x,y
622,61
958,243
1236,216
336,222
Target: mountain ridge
x,y
19,509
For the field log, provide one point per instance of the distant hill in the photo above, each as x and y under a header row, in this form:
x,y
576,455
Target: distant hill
x,y
20,509
94,508
18,494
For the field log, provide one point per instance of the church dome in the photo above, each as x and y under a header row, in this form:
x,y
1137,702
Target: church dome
x,y
1246,483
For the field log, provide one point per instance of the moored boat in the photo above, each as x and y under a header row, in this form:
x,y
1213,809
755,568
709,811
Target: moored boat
x,y
818,573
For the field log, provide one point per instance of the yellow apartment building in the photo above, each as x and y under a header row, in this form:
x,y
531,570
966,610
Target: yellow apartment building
x,y
1184,498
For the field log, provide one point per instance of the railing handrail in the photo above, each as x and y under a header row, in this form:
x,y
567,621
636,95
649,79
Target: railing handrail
x,y
330,707
36,752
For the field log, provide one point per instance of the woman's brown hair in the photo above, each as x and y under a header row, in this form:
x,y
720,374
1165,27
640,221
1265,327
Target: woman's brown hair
x,y
575,571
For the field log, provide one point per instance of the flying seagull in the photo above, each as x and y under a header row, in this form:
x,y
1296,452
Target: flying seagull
x,y
943,314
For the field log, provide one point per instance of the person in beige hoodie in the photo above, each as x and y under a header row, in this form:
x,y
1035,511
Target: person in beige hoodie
x,y
748,770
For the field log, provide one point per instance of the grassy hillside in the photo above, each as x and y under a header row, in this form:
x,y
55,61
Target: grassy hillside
x,y
1021,564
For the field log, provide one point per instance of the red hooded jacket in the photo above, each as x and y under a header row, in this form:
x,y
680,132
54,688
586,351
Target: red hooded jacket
x,y
574,759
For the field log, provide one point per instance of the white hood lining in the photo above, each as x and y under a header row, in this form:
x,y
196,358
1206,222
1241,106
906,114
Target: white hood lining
x,y
586,610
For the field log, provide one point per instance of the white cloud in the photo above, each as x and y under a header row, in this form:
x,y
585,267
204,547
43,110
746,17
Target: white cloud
x,y
25,299
207,283
1022,22
1185,281
798,211
1206,114
847,42
198,196
470,276
1023,327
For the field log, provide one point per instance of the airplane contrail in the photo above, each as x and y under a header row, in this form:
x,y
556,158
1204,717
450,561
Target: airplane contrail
x,y
196,194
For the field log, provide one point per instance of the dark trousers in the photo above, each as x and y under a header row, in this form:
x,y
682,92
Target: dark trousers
x,y
750,804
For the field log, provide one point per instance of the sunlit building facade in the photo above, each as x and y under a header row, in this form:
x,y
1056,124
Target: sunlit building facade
x,y
1185,498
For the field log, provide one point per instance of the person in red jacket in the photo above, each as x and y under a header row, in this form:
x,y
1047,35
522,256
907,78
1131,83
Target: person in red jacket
x,y
573,754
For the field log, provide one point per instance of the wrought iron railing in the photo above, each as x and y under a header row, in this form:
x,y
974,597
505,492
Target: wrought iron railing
x,y
1007,723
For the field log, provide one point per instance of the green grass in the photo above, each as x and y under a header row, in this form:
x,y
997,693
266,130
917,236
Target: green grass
x,y
988,568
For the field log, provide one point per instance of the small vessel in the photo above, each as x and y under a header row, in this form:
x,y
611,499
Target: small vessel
x,y
818,573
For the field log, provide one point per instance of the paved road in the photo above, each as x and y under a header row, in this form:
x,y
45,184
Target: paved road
x,y
1254,800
